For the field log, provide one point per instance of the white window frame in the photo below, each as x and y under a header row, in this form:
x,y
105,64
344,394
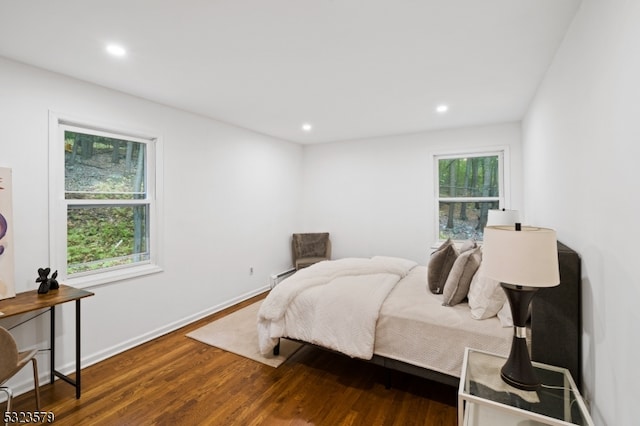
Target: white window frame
x,y
504,172
58,205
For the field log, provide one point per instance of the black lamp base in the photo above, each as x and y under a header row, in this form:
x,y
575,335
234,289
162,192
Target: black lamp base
x,y
518,371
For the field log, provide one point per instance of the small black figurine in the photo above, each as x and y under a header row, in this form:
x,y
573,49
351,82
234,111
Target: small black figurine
x,y
43,279
53,283
47,283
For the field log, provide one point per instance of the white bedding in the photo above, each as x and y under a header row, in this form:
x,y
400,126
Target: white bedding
x,y
347,306
415,328
334,304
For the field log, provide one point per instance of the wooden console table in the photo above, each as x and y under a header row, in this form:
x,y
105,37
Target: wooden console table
x,y
30,301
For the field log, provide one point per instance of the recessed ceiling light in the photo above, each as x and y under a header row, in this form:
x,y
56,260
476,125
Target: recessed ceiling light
x,y
116,50
442,108
307,127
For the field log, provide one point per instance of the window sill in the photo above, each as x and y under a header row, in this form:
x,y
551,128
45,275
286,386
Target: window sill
x,y
88,281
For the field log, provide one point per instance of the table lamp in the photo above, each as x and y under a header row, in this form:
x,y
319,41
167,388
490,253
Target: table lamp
x,y
523,259
502,217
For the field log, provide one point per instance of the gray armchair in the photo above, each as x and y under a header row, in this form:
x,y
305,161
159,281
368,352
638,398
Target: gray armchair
x,y
310,248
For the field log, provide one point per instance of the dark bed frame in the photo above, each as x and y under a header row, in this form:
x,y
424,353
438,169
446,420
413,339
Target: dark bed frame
x,y
556,327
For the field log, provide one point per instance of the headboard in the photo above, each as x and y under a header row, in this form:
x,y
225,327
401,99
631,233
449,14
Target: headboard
x,y
556,318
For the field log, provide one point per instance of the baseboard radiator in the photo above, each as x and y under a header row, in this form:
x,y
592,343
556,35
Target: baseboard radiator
x,y
276,278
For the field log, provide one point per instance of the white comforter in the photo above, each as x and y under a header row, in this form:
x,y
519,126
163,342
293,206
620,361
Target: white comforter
x,y
334,304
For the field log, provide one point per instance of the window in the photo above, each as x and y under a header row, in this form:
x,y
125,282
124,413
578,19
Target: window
x,y
468,186
104,209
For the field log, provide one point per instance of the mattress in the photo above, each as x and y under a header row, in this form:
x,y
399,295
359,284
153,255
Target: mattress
x,y
415,328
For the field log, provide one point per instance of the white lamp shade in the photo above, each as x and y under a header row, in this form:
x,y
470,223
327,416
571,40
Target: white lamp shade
x,y
528,257
503,217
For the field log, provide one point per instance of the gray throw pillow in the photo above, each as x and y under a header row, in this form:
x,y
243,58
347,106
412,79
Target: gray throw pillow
x,y
440,263
458,282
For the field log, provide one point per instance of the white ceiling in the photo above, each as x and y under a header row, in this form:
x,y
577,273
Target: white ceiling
x,y
352,68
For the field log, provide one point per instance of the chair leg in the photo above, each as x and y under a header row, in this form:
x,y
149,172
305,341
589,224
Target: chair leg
x,y
9,396
36,382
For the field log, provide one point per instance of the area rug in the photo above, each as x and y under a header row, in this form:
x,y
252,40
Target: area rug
x,y
238,333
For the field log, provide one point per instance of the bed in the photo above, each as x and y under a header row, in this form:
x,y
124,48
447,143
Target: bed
x,y
381,310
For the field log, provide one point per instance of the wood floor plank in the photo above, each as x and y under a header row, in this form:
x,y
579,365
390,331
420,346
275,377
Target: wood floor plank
x,y
175,380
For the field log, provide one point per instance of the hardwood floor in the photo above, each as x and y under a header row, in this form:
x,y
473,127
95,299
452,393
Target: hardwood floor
x,y
174,380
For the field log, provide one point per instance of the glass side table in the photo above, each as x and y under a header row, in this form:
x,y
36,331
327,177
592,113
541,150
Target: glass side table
x,y
485,399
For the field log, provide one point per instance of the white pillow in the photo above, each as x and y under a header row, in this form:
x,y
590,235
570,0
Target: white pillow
x,y
504,315
468,245
486,297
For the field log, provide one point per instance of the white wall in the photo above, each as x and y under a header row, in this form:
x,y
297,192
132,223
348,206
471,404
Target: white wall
x,y
231,201
376,196
581,147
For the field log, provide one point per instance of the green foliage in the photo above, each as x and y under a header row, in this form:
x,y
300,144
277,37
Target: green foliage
x,y
104,235
468,177
99,234
465,186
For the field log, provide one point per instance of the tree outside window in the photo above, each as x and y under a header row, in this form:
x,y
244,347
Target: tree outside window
x,y
468,187
114,231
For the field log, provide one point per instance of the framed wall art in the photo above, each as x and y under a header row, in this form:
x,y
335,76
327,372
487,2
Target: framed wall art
x,y
7,284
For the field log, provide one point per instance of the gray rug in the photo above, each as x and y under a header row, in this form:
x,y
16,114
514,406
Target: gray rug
x,y
237,333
